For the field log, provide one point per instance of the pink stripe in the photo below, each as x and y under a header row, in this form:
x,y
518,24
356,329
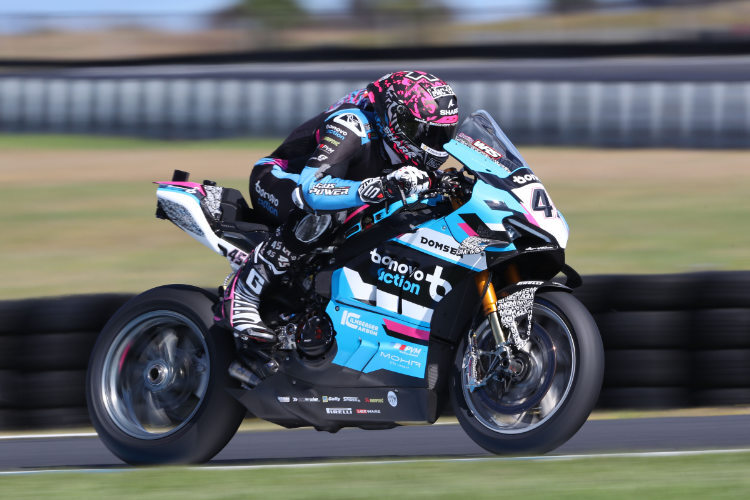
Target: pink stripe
x,y
282,164
122,358
409,331
468,230
355,213
447,119
185,184
531,219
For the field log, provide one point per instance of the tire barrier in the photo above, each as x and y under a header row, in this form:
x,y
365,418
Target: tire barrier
x,y
671,341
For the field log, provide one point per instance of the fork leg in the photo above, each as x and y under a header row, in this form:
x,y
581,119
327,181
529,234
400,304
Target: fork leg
x,y
489,306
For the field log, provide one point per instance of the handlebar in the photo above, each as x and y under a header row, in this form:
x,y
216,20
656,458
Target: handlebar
x,y
450,183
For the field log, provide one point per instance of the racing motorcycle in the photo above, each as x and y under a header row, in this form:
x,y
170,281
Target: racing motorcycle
x,y
458,297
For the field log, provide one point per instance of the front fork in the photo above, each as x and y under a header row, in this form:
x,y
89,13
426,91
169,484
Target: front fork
x,y
489,306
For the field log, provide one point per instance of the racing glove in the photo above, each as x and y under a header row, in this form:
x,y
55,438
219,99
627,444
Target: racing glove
x,y
409,178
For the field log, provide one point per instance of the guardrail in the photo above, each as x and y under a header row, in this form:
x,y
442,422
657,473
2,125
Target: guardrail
x,y
675,340
640,114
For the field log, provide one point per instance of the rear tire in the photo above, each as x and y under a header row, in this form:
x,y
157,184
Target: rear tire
x,y
558,392
157,380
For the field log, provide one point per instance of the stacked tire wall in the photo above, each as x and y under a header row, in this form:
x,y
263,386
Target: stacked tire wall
x,y
671,341
44,351
677,340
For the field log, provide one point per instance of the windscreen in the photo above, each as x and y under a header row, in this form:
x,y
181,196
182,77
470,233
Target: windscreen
x,y
481,133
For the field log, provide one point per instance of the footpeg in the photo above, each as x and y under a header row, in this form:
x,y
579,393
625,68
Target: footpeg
x,y
239,372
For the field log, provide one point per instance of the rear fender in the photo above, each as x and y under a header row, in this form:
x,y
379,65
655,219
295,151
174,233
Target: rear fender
x,y
180,202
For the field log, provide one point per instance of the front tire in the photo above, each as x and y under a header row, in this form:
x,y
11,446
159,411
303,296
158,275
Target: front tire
x,y
553,395
157,379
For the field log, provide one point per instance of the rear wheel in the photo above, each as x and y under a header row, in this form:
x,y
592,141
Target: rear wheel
x,y
530,400
157,380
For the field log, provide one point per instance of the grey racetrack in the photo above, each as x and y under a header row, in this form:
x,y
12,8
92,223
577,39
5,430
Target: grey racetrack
x,y
305,445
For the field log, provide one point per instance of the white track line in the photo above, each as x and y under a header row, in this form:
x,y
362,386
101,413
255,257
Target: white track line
x,y
540,458
62,435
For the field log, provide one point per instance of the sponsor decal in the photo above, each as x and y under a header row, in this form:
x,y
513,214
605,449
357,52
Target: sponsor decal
x,y
375,400
440,247
433,152
400,360
326,148
484,148
523,179
448,112
416,76
328,189
320,157
437,283
352,122
332,141
283,399
339,411
351,399
265,194
399,281
309,400
362,411
408,350
394,273
352,320
268,201
338,132
392,399
330,399
441,91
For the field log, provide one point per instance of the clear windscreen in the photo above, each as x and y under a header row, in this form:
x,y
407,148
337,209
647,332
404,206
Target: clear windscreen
x,y
481,133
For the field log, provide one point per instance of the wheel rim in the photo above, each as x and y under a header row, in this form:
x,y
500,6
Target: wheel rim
x,y
546,377
155,374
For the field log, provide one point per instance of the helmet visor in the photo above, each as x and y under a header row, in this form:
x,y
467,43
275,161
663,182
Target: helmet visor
x,y
423,133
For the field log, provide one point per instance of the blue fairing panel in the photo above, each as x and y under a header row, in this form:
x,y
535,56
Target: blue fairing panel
x,y
363,342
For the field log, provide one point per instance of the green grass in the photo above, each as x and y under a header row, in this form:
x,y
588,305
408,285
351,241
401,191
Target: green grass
x,y
85,142
715,476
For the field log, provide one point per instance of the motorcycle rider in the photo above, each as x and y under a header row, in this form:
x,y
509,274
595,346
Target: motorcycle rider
x,y
356,152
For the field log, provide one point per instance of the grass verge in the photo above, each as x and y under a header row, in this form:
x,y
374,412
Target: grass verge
x,y
701,476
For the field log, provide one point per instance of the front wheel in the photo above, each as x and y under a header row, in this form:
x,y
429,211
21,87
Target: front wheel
x,y
530,400
157,379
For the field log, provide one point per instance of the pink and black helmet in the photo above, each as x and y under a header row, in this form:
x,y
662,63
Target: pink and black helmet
x,y
417,114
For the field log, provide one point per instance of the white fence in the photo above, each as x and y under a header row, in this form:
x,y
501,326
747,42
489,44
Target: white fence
x,y
532,112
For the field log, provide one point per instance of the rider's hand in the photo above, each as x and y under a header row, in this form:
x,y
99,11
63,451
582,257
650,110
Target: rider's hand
x,y
411,179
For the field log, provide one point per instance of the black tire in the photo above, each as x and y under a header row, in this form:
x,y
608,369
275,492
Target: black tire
x,y
726,368
150,395
644,397
722,328
47,351
723,289
647,368
582,379
645,329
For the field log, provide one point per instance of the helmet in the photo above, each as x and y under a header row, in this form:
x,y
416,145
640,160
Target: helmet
x,y
416,114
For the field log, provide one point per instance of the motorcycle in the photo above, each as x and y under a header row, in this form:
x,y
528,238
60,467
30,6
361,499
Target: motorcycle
x,y
441,299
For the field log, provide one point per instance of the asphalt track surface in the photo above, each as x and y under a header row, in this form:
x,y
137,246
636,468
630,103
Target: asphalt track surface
x,y
305,445
620,69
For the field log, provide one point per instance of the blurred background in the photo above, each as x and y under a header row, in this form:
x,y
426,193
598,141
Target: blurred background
x,y
635,114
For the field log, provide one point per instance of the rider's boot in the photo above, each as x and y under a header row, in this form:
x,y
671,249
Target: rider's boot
x,y
242,296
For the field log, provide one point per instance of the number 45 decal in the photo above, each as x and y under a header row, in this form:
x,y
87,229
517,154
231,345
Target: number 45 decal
x,y
540,202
